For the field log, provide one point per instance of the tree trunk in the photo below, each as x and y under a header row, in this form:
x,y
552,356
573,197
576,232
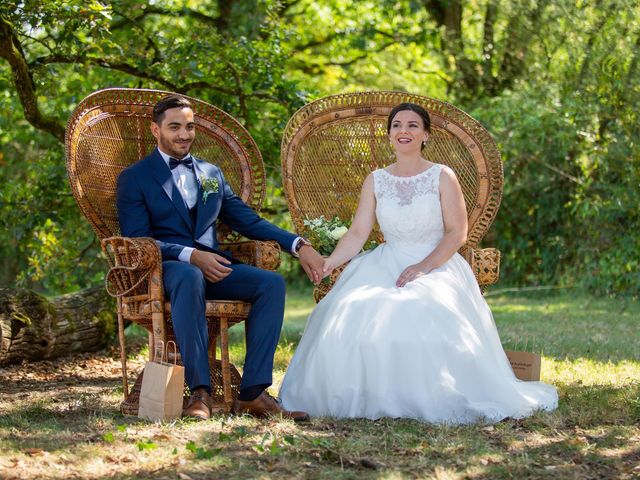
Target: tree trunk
x,y
35,328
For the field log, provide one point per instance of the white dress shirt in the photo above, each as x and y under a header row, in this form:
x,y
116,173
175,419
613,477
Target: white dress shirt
x,y
185,180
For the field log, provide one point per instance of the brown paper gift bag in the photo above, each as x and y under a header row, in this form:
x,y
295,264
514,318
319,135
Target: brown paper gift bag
x,y
162,387
526,365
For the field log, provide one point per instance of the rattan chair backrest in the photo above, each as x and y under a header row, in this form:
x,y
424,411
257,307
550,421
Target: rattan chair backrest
x,y
331,145
110,129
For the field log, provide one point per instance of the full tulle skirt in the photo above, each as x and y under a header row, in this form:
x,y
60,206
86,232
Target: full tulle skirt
x,y
429,350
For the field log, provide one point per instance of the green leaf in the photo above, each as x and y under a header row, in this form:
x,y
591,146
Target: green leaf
x,y
275,449
146,445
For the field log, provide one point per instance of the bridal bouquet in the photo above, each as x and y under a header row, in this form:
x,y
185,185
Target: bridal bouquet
x,y
324,234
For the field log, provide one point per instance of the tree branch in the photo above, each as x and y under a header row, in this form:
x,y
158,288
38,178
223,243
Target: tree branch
x,y
517,45
157,56
239,91
364,55
106,63
440,75
448,14
282,7
316,42
11,50
152,10
224,12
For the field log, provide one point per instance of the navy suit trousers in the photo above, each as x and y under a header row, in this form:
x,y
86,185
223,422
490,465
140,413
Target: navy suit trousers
x,y
187,290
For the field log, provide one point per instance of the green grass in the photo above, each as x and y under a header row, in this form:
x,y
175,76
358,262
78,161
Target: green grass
x,y
64,422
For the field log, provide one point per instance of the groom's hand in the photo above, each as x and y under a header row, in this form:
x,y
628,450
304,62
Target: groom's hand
x,y
312,263
212,265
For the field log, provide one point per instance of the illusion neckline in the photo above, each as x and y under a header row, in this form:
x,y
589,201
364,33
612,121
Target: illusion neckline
x,y
410,176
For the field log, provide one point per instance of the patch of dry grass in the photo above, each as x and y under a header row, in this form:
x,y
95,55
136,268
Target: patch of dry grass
x,y
60,420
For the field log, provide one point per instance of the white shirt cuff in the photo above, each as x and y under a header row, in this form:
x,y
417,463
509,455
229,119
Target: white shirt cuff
x,y
294,245
185,254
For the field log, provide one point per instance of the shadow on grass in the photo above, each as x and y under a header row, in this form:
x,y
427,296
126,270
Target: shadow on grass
x,y
56,424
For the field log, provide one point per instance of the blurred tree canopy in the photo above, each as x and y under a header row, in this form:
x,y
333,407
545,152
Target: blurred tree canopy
x,y
556,83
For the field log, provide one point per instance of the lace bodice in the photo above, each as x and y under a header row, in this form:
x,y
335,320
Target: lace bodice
x,y
408,208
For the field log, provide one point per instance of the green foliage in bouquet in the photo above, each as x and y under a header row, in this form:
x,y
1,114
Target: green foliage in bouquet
x,y
324,234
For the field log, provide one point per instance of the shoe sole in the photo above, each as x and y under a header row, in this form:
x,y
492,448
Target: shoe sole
x,y
196,417
275,416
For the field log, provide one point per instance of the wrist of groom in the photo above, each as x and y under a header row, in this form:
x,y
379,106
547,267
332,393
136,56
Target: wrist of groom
x,y
298,244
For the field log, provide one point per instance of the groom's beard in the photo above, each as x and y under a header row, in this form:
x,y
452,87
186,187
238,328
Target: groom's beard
x,y
175,148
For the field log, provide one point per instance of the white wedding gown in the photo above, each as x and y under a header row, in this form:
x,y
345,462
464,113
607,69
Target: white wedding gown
x,y
429,350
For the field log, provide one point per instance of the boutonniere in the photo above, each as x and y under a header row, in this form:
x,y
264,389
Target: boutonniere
x,y
209,185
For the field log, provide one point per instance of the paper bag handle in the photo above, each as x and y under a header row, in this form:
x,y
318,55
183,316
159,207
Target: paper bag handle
x,y
164,353
175,351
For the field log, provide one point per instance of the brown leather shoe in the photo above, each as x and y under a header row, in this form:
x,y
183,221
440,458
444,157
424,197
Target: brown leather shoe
x,y
199,405
267,406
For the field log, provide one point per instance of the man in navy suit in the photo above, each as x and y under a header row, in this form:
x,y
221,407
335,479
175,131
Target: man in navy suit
x,y
176,199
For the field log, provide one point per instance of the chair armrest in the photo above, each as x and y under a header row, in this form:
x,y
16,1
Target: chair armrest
x,y
485,264
135,267
264,255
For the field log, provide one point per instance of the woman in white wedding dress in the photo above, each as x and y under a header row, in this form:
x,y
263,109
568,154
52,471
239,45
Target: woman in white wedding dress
x,y
405,331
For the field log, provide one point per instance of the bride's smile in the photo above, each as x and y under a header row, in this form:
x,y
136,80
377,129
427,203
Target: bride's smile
x,y
407,132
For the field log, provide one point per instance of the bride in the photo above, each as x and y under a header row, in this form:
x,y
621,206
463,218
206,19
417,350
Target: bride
x,y
405,331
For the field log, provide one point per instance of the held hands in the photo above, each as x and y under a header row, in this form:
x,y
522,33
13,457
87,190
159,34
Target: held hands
x,y
411,273
311,262
329,266
212,265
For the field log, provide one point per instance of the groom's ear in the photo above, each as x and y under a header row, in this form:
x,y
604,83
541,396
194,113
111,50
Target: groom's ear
x,y
155,130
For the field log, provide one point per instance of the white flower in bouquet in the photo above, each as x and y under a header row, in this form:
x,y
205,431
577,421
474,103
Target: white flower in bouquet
x,y
338,233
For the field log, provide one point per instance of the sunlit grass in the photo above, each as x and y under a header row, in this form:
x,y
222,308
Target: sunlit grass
x,y
590,352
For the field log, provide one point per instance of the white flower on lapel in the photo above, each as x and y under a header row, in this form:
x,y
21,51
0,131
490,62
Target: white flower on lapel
x,y
209,185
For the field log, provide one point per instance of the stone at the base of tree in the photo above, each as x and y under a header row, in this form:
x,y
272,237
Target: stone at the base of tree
x,y
33,327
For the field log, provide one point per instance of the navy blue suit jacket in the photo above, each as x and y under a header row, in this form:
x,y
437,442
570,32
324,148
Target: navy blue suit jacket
x,y
150,205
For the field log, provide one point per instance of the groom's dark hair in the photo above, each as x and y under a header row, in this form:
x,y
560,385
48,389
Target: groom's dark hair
x,y
165,103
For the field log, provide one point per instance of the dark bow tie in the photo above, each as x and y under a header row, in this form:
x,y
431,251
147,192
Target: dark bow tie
x,y
187,162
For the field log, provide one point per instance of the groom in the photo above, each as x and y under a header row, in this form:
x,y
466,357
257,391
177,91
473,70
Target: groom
x,y
176,199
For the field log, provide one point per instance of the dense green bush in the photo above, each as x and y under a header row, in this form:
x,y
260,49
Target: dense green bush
x,y
570,208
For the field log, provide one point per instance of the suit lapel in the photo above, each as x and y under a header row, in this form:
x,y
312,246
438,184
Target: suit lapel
x,y
207,211
162,175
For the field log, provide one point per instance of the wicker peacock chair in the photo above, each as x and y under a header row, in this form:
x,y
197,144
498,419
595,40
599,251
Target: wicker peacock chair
x,y
331,145
108,131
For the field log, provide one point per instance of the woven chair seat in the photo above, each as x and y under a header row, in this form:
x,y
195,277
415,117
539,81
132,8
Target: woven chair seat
x,y
230,309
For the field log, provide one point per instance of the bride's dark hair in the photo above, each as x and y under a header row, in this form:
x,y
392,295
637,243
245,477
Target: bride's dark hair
x,y
414,108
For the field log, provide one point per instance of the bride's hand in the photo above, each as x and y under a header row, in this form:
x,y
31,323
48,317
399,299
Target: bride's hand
x,y
411,273
328,267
